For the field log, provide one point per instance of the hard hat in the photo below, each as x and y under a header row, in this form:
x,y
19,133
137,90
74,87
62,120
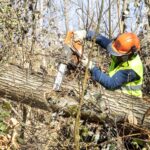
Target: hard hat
x,y
123,44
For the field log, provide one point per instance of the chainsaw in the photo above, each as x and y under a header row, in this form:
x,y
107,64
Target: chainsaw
x,y
72,54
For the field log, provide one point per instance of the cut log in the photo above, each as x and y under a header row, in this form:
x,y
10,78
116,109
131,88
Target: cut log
x,y
19,85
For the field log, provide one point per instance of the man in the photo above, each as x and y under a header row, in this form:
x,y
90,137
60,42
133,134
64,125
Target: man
x,y
126,69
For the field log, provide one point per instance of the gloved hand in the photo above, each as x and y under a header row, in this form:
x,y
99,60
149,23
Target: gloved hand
x,y
79,35
91,64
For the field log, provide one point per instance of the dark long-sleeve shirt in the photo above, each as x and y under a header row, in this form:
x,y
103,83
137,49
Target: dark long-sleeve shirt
x,y
119,78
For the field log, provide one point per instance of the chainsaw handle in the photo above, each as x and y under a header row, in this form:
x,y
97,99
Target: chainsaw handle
x,y
76,46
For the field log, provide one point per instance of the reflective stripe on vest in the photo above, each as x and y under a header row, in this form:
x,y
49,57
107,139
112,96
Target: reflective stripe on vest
x,y
134,87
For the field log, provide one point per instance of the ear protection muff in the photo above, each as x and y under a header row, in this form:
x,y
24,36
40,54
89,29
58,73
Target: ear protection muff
x,y
134,50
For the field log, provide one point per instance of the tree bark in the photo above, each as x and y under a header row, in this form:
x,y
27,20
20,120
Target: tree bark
x,y
123,25
66,15
19,85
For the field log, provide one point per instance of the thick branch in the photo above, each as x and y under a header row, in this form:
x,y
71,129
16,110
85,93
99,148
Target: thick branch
x,y
18,85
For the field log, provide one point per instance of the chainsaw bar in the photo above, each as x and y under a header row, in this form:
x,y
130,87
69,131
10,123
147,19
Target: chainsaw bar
x,y
62,68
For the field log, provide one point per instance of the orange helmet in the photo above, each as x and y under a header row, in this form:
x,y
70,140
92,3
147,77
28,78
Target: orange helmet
x,y
124,44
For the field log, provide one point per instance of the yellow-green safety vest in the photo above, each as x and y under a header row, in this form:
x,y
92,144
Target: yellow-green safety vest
x,y
134,87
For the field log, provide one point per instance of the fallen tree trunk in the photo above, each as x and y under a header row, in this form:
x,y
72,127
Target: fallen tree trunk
x,y
19,85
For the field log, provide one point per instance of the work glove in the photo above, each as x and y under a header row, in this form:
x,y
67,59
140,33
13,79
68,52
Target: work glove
x,y
79,35
91,63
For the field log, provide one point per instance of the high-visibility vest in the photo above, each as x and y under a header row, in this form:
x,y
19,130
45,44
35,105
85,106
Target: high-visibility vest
x,y
134,87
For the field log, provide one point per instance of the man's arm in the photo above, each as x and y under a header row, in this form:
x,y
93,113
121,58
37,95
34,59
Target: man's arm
x,y
116,81
100,39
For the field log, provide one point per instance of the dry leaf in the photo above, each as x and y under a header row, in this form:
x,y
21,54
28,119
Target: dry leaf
x,y
13,122
131,118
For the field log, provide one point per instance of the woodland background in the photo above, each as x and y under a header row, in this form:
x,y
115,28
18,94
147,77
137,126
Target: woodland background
x,y
31,39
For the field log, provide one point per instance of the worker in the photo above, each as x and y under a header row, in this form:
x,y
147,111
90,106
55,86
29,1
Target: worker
x,y
126,69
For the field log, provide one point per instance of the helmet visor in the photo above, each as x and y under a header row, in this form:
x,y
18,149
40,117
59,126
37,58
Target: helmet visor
x,y
112,50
